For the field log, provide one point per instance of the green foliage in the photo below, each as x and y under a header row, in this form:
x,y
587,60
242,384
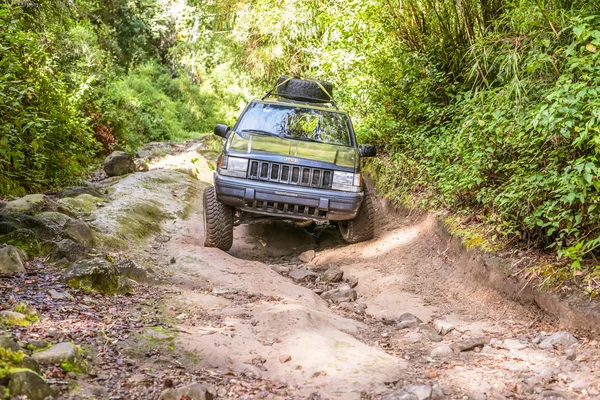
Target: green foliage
x,y
487,107
8,360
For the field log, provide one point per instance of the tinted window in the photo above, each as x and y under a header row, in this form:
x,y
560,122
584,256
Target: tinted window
x,y
296,123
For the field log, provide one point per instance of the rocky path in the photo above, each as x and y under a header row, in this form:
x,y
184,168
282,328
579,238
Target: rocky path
x,y
287,313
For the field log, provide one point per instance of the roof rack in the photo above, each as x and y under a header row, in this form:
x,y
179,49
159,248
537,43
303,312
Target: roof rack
x,y
300,99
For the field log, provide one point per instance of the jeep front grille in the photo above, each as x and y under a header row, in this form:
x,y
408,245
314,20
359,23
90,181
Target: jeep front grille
x,y
290,174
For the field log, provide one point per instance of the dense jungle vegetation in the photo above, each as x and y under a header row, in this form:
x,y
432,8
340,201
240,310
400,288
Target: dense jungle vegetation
x,y
490,107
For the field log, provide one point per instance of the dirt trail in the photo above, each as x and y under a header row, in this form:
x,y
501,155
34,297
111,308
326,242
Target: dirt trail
x,y
240,314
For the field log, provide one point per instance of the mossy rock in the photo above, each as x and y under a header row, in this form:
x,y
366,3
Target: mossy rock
x,y
29,241
13,318
109,242
141,220
30,204
54,219
80,204
96,274
71,251
10,222
25,382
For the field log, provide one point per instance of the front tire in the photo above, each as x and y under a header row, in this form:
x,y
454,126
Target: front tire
x,y
362,227
218,221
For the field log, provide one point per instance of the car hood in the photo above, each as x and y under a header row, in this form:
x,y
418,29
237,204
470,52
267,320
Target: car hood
x,y
330,153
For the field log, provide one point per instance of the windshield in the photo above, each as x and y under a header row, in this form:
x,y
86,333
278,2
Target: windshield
x,y
295,123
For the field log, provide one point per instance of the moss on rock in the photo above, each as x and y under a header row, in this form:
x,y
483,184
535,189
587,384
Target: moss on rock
x,y
29,241
80,204
141,220
97,275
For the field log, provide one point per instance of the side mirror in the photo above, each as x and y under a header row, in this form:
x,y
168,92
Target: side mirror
x,y
222,130
367,150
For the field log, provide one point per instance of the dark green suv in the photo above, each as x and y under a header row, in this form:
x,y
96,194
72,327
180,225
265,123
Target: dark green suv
x,y
293,156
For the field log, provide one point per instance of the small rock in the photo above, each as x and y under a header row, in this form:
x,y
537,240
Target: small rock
x,y
408,320
284,358
332,275
79,232
359,308
141,165
299,275
134,271
56,295
11,262
400,395
26,308
579,385
340,295
119,163
470,344
307,256
28,383
512,344
173,260
7,343
430,333
443,351
556,394
442,327
194,391
437,393
57,354
139,380
280,269
562,338
13,318
571,354
422,392
414,337
352,281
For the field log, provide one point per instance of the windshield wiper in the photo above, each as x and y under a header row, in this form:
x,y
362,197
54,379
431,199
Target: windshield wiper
x,y
303,138
258,132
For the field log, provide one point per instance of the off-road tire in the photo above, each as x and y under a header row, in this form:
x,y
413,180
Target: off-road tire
x,y
304,89
218,221
362,227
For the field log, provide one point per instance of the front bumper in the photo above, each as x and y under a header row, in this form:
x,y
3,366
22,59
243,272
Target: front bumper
x,y
287,201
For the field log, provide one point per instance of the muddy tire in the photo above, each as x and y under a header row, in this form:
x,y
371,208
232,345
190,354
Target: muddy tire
x,y
218,222
305,89
362,227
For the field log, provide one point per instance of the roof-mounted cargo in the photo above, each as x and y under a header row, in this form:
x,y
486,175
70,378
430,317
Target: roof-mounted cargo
x,y
306,90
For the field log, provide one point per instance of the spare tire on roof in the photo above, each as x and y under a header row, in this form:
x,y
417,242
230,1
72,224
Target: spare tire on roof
x,y
312,90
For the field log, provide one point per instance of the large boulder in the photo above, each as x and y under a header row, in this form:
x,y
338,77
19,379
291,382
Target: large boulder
x,y
95,274
79,232
30,204
119,163
11,261
28,383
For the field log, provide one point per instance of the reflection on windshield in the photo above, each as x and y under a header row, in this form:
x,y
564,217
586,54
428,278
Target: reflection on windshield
x,y
296,123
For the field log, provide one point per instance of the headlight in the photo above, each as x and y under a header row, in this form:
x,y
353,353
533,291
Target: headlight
x,y
233,166
347,181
